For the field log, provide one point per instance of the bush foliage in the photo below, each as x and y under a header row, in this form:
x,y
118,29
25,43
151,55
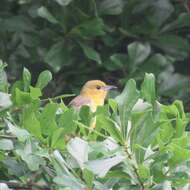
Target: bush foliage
x,y
112,40
138,143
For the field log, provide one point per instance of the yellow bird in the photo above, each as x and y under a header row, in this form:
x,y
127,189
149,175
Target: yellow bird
x,y
92,94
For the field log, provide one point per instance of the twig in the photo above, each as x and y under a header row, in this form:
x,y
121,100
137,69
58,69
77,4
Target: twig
x,y
16,185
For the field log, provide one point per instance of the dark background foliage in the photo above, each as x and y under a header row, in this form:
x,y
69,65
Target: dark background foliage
x,y
112,40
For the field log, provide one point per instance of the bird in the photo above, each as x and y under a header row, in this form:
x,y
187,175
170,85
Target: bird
x,y
92,94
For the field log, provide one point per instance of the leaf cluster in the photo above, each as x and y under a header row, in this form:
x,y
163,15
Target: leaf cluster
x,y
138,143
107,39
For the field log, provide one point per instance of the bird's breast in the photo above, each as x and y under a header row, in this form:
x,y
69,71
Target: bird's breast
x,y
96,102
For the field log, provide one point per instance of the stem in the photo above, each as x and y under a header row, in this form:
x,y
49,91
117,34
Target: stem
x,y
17,185
134,169
7,137
58,97
93,131
95,8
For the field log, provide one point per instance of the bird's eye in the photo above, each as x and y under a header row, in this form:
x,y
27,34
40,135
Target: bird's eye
x,y
98,87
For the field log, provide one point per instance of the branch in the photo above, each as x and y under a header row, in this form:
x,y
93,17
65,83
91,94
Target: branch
x,y
16,185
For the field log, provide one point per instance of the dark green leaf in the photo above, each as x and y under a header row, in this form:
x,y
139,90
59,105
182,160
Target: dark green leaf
x,y
57,56
91,53
63,2
44,13
138,52
174,45
110,7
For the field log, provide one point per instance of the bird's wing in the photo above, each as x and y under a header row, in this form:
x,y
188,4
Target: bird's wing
x,y
79,101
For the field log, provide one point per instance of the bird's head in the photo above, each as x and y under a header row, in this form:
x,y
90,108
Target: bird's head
x,y
96,89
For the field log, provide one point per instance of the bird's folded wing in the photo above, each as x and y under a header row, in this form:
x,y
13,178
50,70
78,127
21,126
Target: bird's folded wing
x,y
79,101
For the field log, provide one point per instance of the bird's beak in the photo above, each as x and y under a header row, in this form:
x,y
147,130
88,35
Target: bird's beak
x,y
109,87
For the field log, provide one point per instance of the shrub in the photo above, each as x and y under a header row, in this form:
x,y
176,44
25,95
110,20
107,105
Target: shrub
x,y
138,143
104,39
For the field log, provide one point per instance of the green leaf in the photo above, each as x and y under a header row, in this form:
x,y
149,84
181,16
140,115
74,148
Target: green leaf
x,y
110,7
143,132
155,64
85,115
89,178
35,93
57,56
3,77
14,167
30,120
44,13
47,119
143,172
126,101
118,60
34,162
90,28
57,139
138,52
172,82
44,78
21,98
161,11
100,167
21,134
67,181
26,77
179,154
64,177
5,100
174,45
113,104
91,53
63,2
6,144
157,172
110,126
27,153
67,121
181,22
141,105
148,88
78,148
